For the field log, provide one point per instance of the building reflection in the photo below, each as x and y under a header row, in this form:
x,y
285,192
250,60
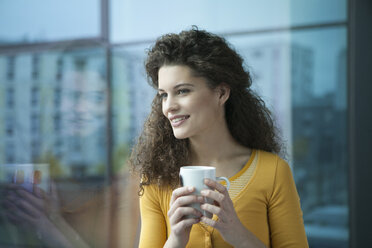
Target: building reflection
x,y
54,110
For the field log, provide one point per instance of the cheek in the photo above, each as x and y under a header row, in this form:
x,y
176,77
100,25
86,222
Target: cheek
x,y
163,109
207,105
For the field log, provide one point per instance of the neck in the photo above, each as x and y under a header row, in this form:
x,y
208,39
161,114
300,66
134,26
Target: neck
x,y
215,150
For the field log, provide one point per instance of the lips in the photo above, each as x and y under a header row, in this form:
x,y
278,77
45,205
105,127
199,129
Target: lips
x,y
178,120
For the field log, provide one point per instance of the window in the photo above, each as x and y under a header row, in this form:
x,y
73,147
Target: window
x,y
10,68
35,95
35,124
10,98
35,67
57,97
9,122
79,97
59,69
10,151
30,22
57,122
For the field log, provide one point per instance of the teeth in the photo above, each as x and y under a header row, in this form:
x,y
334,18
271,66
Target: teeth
x,y
178,119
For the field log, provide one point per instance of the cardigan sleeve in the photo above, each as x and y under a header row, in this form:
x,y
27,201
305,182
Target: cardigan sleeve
x,y
153,224
285,214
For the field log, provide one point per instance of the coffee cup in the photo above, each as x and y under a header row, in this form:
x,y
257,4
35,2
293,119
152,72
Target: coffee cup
x,y
193,176
26,175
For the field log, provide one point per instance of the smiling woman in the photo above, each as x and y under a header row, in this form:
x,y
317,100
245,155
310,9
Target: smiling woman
x,y
206,114
192,108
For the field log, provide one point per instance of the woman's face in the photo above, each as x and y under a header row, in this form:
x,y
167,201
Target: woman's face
x,y
192,108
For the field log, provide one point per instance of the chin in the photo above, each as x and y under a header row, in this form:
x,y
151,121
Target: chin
x,y
180,136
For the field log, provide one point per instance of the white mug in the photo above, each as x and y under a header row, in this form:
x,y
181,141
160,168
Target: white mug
x,y
26,175
194,176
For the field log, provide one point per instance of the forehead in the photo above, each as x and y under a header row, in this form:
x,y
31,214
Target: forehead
x,y
171,75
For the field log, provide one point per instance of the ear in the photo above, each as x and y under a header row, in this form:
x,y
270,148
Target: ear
x,y
224,92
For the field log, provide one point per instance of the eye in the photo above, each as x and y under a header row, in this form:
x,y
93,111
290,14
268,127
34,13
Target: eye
x,y
183,91
162,95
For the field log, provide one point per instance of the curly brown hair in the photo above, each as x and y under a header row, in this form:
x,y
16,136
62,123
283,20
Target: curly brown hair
x,y
158,155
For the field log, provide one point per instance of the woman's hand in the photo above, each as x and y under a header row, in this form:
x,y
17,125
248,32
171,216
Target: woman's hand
x,y
29,209
40,211
228,223
35,210
180,218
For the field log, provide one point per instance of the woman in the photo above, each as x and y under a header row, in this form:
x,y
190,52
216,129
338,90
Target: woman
x,y
206,114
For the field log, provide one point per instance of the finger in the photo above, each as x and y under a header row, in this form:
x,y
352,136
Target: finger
x,y
39,192
215,185
8,205
181,192
31,199
17,203
12,218
183,201
212,209
15,209
182,212
186,200
24,207
21,217
209,222
214,195
182,225
12,186
11,189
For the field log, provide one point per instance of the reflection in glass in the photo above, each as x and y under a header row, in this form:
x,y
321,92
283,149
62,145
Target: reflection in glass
x,y
320,138
69,111
131,95
302,77
268,58
41,20
130,19
54,109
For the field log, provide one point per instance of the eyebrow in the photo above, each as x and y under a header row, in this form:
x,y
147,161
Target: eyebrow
x,y
179,85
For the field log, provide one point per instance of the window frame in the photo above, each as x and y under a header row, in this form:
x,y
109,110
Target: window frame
x,y
359,99
360,122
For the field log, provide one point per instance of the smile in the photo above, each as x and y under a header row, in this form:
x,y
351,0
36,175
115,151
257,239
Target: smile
x,y
178,120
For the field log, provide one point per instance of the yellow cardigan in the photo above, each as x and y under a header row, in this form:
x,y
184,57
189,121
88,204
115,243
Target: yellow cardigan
x,y
268,205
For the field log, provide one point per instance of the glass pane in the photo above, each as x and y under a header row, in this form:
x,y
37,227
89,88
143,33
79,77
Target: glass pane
x,y
131,101
319,121
268,58
132,97
302,77
42,20
130,19
303,12
53,106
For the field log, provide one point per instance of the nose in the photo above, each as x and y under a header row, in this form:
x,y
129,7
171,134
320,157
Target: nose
x,y
170,105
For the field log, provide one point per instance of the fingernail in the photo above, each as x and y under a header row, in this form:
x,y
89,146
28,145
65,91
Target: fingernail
x,y
190,188
200,198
